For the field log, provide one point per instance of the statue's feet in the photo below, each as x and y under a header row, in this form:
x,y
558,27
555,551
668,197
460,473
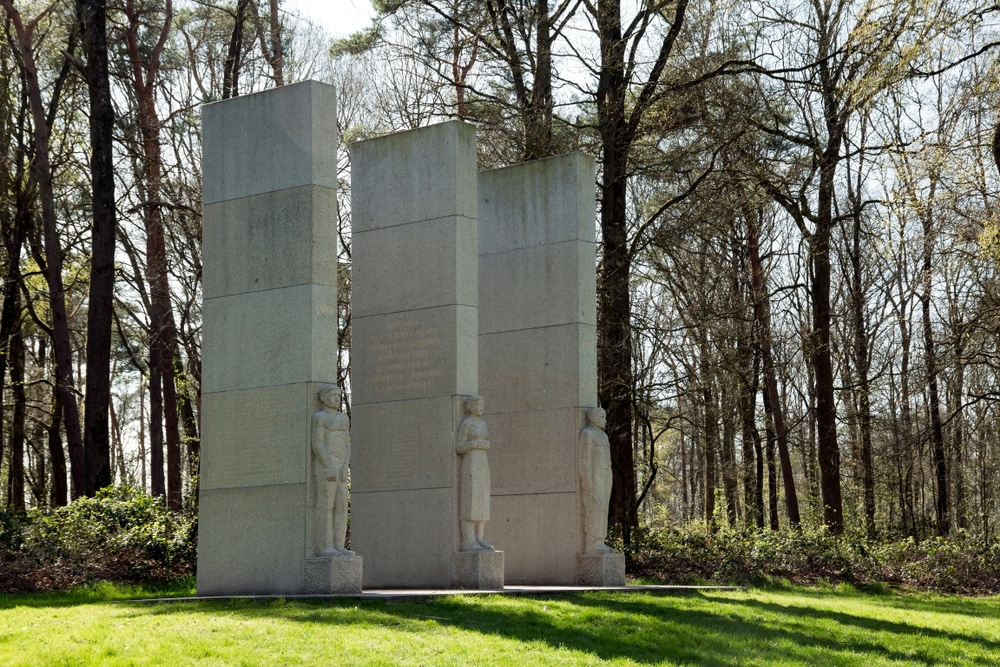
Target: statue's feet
x,y
345,552
600,548
484,546
330,552
472,545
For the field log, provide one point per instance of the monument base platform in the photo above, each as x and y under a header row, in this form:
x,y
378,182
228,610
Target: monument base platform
x,y
327,576
600,569
478,570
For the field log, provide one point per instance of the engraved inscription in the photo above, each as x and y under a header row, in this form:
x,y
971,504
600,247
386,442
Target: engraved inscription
x,y
404,357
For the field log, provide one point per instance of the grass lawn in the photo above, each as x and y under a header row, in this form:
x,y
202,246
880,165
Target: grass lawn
x,y
759,627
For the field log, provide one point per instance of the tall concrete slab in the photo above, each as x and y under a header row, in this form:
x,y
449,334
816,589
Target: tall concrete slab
x,y
270,331
414,318
537,357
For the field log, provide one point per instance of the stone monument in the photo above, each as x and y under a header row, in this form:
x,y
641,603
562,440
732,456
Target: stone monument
x,y
414,358
598,565
269,338
538,362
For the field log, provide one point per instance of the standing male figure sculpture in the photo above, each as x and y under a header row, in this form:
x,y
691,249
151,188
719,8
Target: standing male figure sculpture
x,y
331,445
594,468
474,483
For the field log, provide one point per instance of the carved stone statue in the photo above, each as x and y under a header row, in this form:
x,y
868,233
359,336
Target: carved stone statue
x,y
331,446
474,482
594,470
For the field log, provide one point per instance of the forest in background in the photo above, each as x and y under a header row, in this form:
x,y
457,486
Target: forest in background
x,y
799,247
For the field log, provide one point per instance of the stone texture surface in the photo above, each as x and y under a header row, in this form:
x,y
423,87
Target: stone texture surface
x,y
408,444
542,368
442,252
407,536
413,176
273,140
479,570
269,331
524,196
540,443
251,539
414,353
263,339
328,576
600,570
537,356
274,249
538,533
556,266
254,436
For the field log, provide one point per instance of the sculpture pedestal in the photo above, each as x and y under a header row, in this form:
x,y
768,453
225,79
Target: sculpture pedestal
x,y
332,575
478,570
600,569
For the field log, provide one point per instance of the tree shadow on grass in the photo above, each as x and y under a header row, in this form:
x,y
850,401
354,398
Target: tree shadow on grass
x,y
939,604
693,629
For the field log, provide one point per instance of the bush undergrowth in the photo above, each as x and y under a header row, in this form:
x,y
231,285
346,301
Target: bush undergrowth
x,y
125,536
961,563
121,535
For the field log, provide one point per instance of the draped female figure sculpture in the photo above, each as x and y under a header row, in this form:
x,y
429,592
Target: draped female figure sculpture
x,y
594,470
471,443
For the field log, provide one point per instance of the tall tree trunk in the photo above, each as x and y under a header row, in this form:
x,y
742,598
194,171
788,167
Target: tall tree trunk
x,y
933,399
15,472
91,15
157,481
163,331
234,55
773,411
862,385
14,241
58,491
53,251
753,500
772,470
827,447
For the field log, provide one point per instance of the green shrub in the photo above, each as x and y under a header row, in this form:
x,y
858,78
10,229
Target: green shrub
x,y
961,563
121,535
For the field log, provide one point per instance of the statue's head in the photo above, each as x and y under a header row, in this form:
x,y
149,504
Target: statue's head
x,y
597,417
475,405
330,396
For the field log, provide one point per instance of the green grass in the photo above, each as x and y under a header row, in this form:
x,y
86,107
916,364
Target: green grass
x,y
101,626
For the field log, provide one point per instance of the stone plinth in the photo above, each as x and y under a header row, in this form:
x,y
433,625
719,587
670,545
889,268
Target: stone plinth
x,y
600,569
270,331
537,357
478,570
329,576
414,313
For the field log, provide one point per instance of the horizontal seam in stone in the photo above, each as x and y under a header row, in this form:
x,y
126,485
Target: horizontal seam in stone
x,y
252,486
418,488
542,326
509,251
332,189
413,222
266,289
355,317
263,386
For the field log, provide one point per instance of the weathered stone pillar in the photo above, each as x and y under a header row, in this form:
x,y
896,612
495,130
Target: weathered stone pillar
x,y
270,336
414,362
537,359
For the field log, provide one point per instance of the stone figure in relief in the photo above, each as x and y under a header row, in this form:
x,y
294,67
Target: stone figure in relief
x,y
474,483
594,469
331,446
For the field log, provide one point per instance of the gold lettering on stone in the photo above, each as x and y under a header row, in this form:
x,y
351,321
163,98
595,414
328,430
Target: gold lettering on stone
x,y
404,358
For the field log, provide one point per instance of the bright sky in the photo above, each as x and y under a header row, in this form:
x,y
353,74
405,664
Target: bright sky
x,y
339,17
